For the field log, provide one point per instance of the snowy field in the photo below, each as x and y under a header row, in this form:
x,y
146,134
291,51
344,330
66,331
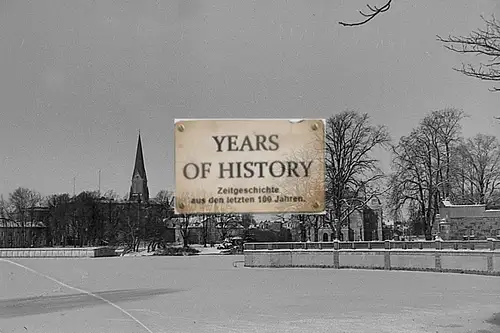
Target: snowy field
x,y
208,294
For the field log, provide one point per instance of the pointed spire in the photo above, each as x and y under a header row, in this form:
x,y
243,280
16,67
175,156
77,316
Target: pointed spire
x,y
139,188
139,161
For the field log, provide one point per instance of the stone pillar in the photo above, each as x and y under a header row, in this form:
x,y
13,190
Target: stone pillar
x,y
359,228
345,233
379,226
357,225
444,230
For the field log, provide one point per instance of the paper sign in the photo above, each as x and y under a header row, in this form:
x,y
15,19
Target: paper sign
x,y
249,166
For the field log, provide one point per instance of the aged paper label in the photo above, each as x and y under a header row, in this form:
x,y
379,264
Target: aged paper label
x,y
249,166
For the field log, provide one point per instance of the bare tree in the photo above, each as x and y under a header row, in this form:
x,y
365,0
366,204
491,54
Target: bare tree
x,y
20,201
442,129
5,209
165,197
156,212
19,208
226,223
351,171
484,43
184,225
373,11
481,164
206,224
87,219
60,214
127,225
314,222
422,165
413,179
133,224
298,226
111,195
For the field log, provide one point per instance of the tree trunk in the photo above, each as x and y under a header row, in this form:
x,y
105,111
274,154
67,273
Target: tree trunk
x,y
302,229
338,223
316,228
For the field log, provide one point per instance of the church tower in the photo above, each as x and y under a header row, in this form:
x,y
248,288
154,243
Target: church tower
x,y
139,189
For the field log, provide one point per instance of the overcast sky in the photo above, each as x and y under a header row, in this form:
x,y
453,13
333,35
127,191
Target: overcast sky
x,y
79,78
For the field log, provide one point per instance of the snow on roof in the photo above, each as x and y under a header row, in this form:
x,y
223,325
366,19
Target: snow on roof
x,y
448,203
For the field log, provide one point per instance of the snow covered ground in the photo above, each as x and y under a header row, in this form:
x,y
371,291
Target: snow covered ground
x,y
209,294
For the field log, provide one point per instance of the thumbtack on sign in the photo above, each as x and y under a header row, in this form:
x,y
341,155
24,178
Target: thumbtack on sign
x,y
314,126
316,205
180,128
181,205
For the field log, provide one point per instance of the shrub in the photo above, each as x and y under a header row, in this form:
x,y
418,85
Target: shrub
x,y
177,251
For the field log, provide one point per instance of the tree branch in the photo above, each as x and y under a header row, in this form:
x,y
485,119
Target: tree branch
x,y
482,42
374,11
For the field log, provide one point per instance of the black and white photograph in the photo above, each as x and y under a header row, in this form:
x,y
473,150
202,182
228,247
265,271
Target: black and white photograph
x,y
250,166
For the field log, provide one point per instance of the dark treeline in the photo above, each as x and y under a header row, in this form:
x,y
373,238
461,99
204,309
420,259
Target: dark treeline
x,y
86,219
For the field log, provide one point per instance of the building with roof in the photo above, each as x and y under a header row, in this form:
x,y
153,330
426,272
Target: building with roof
x,y
466,222
31,233
365,223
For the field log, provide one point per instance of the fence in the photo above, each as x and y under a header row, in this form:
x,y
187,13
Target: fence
x,y
377,245
475,257
92,252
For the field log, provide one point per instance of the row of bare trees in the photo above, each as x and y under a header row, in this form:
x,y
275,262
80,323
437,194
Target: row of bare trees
x,y
435,163
431,164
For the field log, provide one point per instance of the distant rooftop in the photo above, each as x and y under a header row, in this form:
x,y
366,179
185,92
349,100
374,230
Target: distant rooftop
x,y
448,203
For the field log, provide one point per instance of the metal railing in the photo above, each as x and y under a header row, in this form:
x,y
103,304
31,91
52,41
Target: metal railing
x,y
380,245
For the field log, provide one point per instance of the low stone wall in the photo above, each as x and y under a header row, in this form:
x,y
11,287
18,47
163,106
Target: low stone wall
x,y
485,262
91,252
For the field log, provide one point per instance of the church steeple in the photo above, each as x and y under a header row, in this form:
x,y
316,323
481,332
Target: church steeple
x,y
139,188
